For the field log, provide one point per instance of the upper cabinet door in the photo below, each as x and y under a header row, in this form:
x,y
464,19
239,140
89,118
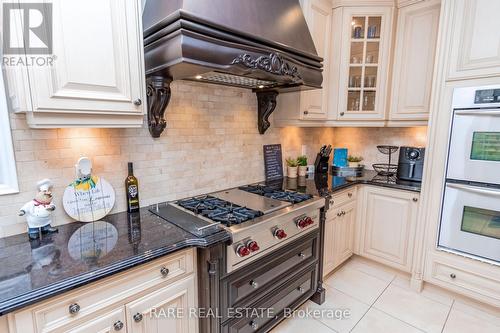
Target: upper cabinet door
x,y
475,47
364,62
414,55
318,14
98,66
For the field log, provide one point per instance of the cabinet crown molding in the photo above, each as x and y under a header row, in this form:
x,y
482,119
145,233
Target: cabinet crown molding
x,y
365,3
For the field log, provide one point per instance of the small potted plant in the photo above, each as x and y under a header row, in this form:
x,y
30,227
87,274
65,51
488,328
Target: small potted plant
x,y
354,161
302,162
291,170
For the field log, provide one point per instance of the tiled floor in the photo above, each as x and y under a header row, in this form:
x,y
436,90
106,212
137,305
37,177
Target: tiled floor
x,y
380,299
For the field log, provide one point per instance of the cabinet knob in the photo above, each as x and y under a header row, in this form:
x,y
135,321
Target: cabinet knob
x,y
74,308
332,202
342,113
349,195
452,275
164,271
306,112
118,325
343,212
254,325
137,101
137,317
302,255
254,284
301,290
415,199
339,214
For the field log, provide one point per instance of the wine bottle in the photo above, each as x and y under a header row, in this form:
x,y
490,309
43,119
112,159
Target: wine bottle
x,y
132,188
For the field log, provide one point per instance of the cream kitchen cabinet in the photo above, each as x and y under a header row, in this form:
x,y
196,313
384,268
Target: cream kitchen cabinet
x,y
339,230
97,76
362,70
386,224
166,310
415,48
311,105
113,304
475,40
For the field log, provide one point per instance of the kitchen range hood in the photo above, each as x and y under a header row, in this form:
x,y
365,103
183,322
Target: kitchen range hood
x,y
263,45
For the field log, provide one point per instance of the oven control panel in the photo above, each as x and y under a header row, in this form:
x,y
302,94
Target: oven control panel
x,y
487,96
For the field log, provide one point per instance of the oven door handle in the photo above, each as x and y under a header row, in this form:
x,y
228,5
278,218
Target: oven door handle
x,y
469,188
485,112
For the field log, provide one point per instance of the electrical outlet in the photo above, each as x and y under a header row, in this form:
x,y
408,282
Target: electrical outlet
x,y
304,150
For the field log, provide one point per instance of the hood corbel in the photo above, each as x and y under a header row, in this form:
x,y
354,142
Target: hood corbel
x,y
158,94
266,103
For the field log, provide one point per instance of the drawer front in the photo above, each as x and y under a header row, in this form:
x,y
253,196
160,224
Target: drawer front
x,y
471,282
343,197
254,279
294,292
75,305
112,321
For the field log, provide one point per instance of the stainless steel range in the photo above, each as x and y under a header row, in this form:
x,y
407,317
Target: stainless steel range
x,y
274,258
260,218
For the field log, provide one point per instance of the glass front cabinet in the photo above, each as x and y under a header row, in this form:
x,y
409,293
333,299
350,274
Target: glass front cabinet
x,y
363,68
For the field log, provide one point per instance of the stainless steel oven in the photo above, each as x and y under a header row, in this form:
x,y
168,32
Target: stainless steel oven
x,y
470,217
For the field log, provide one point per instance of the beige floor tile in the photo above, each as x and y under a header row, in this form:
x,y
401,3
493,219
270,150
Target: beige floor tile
x,y
430,291
370,267
376,321
462,322
480,310
301,325
413,308
357,284
337,300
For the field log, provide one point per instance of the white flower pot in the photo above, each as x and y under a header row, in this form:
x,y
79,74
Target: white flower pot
x,y
291,172
302,171
353,164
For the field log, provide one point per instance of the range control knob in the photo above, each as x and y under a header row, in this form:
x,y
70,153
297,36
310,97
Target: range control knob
x,y
242,250
301,224
253,246
279,233
309,220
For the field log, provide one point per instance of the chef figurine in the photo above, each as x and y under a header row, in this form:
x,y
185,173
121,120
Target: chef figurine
x,y
38,211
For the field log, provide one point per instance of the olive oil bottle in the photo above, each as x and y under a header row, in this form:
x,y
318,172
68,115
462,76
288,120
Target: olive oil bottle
x,y
132,188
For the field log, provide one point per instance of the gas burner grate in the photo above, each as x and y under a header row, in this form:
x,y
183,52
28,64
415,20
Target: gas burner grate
x,y
278,194
219,210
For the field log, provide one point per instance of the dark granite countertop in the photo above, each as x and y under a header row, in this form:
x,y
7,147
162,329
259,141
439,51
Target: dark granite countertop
x,y
79,253
327,184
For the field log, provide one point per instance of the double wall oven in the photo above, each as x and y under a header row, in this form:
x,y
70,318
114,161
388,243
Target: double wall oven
x,y
470,218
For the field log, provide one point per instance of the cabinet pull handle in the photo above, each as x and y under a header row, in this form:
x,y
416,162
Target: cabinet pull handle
x,y
254,325
306,112
415,199
452,275
118,325
254,284
164,271
342,113
137,101
137,317
74,308
339,214
302,255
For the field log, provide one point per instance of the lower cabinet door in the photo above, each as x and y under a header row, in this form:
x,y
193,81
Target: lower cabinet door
x,y
329,244
344,233
164,310
113,321
388,221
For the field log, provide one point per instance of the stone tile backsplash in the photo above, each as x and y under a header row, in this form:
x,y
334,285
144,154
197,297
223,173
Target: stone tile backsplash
x,y
211,143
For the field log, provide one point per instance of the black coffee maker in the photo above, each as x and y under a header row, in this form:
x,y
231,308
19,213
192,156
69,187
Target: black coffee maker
x,y
411,163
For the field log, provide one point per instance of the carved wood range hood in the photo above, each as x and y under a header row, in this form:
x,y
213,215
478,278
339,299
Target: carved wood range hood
x,y
261,45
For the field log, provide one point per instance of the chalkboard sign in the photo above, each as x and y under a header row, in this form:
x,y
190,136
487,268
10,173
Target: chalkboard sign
x,y
273,161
